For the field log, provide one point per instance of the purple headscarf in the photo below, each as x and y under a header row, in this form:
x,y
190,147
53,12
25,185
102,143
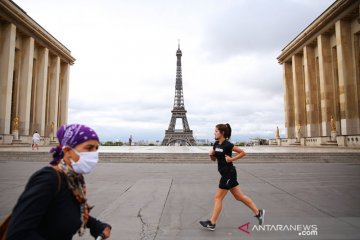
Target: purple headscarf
x,y
71,135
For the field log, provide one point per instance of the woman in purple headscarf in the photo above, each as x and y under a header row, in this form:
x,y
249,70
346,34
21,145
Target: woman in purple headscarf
x,y
53,205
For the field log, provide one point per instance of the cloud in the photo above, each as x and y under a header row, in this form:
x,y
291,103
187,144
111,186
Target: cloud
x,y
123,80
257,26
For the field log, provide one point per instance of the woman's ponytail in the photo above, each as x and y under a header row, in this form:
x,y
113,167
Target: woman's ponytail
x,y
224,129
228,132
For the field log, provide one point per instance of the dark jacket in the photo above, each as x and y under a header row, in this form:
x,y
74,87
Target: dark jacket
x,y
47,210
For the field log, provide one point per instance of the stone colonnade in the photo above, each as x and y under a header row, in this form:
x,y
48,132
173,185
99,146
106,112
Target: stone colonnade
x,y
34,79
322,80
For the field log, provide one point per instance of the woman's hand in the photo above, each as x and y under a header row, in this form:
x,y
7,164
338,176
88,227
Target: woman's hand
x,y
212,154
240,154
228,159
106,232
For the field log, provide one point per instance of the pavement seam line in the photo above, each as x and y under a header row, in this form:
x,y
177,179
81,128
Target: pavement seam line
x,y
294,196
162,211
102,214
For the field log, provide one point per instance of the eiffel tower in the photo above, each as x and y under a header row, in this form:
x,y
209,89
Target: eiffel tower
x,y
182,136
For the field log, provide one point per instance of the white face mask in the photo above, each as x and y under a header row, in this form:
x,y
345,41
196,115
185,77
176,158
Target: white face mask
x,y
86,163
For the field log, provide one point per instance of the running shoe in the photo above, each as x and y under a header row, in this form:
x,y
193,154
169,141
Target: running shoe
x,y
261,216
208,225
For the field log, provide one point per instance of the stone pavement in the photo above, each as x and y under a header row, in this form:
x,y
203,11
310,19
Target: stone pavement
x,y
166,201
195,149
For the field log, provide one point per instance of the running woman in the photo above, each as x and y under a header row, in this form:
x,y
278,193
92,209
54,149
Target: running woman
x,y
222,152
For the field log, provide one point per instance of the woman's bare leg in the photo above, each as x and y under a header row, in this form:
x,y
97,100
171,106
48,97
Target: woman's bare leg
x,y
240,196
219,196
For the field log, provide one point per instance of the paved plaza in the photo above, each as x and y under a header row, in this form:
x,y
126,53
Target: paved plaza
x,y
194,149
166,201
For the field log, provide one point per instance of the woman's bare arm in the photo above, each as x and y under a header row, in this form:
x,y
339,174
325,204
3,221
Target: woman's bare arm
x,y
240,154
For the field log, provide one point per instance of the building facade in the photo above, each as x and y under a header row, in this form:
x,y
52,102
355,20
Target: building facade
x,y
321,74
34,78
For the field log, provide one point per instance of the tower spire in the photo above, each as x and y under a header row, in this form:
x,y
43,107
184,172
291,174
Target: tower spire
x,y
179,98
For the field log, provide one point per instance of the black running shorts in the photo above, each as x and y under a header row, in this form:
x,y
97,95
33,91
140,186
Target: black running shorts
x,y
228,178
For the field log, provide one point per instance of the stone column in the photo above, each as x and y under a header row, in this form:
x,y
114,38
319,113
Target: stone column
x,y
7,60
347,83
53,95
299,95
311,91
64,93
289,100
25,86
41,87
326,83
357,52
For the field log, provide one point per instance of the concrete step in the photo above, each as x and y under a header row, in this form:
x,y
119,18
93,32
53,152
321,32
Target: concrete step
x,y
283,157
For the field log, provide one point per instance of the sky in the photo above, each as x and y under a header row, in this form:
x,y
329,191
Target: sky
x,y
123,79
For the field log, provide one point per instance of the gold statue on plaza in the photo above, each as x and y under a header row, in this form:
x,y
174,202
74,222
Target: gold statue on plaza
x,y
332,124
298,129
16,123
277,135
52,127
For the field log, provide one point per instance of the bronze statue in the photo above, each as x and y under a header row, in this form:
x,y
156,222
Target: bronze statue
x,y
277,132
16,123
298,128
332,123
52,127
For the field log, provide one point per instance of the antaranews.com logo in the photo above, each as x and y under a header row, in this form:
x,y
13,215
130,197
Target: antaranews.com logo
x,y
300,229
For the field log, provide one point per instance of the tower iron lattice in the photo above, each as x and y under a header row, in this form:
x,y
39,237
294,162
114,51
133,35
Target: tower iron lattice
x,y
182,136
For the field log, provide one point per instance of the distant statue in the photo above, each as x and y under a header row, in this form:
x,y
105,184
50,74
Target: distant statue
x,y
52,127
277,133
298,129
332,124
333,129
16,123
